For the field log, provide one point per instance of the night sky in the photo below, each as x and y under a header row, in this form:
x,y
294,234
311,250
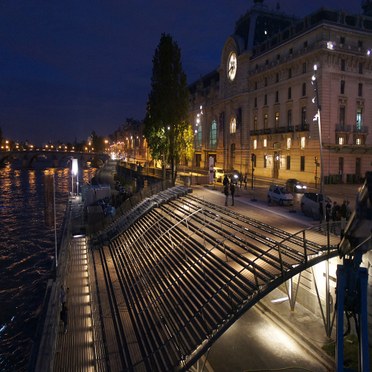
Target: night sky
x,y
70,67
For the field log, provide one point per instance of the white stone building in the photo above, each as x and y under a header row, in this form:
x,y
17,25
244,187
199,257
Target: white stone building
x,y
259,109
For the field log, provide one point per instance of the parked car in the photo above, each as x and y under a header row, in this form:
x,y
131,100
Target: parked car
x,y
311,204
280,195
219,174
294,185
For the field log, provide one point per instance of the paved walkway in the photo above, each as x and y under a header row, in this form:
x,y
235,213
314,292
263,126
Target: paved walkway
x,y
77,349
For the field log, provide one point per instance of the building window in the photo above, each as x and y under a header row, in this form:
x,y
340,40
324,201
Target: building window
x,y
303,116
265,81
359,118
341,140
360,43
304,68
265,99
289,93
340,165
266,121
303,89
342,116
360,89
213,134
276,122
305,44
199,136
342,87
254,144
342,40
288,162
265,161
302,164
360,67
276,97
289,118
289,143
265,142
290,51
255,122
343,65
303,142
358,141
255,102
255,85
289,73
277,78
233,125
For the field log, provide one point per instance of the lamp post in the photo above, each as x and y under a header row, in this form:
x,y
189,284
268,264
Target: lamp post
x,y
316,101
314,82
74,173
197,132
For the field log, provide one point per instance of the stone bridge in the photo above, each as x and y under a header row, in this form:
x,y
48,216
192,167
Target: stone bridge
x,y
27,159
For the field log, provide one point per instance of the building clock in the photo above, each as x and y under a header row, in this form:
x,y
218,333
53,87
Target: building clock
x,y
232,64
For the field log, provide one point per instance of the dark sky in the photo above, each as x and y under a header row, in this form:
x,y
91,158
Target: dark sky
x,y
73,66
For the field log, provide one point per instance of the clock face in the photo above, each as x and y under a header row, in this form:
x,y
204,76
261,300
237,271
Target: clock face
x,y
232,66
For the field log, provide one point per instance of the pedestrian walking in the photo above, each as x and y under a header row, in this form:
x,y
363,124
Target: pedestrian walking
x,y
328,211
343,211
226,183
245,181
335,215
232,191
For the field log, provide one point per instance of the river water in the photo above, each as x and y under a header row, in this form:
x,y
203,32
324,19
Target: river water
x,y
26,255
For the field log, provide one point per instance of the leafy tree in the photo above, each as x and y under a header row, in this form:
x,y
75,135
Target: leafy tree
x,y
167,108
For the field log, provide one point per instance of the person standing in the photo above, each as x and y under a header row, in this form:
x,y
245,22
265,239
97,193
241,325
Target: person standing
x,y
226,188
232,191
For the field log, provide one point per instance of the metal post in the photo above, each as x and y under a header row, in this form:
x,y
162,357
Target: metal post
x,y
55,223
340,290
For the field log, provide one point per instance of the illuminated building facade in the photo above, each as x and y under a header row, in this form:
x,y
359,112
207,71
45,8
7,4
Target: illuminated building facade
x,y
258,110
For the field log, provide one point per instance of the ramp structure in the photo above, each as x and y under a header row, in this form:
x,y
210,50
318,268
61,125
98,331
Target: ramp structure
x,y
181,273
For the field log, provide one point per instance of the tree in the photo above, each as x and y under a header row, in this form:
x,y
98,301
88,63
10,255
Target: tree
x,y
168,104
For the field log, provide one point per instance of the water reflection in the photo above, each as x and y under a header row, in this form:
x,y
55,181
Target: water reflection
x,y
26,255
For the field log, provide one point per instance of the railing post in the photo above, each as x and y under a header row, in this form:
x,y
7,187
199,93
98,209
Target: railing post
x,y
305,246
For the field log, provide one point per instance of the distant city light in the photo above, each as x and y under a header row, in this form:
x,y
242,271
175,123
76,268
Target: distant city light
x,y
330,45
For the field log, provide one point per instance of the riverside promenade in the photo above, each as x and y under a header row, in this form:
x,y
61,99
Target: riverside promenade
x,y
82,347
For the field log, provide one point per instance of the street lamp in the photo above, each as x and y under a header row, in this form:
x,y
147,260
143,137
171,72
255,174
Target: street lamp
x,y
315,100
74,173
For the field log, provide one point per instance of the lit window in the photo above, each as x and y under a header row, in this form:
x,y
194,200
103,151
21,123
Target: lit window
x,y
340,140
276,124
233,125
289,143
265,142
358,141
303,142
359,118
213,134
255,144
